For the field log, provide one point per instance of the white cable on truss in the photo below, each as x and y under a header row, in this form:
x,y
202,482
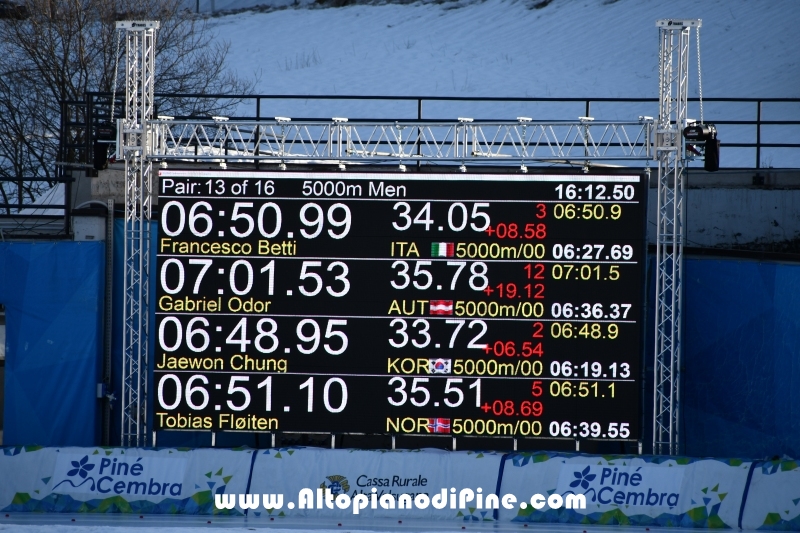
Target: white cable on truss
x,y
699,75
116,76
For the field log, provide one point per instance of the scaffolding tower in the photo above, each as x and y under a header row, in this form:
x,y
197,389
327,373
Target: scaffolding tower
x,y
140,41
143,140
670,150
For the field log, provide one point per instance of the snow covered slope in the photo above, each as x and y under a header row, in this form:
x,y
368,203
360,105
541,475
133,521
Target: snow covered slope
x,y
510,48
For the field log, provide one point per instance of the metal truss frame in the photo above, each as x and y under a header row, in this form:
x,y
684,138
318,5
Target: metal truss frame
x,y
143,140
671,231
136,140
464,141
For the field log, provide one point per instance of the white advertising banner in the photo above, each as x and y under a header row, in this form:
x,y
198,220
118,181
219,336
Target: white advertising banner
x,y
385,480
127,480
625,490
773,499
547,487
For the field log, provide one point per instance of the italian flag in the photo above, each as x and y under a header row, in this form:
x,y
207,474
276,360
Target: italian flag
x,y
442,249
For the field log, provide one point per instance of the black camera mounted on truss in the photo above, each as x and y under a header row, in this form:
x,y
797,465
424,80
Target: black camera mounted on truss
x,y
703,137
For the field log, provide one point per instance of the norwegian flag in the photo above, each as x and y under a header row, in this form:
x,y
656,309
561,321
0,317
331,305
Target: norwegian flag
x,y
441,307
439,425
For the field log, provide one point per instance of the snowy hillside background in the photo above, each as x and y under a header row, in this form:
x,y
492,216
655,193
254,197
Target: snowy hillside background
x,y
516,49
565,48
512,48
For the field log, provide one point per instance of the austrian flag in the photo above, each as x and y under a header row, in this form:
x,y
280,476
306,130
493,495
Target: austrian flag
x,y
441,307
442,249
438,425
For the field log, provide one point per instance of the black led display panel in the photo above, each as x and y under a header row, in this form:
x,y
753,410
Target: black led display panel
x,y
506,305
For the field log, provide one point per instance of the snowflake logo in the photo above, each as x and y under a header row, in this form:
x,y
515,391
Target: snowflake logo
x,y
81,468
583,478
339,485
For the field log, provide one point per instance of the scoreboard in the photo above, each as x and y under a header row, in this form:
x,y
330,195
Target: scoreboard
x,y
506,305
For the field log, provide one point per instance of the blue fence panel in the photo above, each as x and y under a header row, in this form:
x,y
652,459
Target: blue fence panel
x,y
741,376
53,293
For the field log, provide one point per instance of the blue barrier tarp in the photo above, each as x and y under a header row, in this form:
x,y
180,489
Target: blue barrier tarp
x,y
53,293
741,351
741,358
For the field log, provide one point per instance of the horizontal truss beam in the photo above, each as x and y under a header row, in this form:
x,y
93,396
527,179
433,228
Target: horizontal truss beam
x,y
286,141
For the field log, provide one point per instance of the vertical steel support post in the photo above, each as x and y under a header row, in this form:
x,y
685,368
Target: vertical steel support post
x,y
759,109
671,229
140,40
108,326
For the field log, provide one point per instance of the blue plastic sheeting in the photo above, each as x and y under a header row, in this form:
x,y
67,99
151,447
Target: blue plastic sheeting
x,y
741,377
53,293
741,358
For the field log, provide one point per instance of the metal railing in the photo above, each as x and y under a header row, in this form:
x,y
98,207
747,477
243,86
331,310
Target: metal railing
x,y
39,207
755,132
22,218
755,128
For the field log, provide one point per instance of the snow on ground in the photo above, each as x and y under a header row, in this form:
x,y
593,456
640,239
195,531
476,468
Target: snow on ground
x,y
510,48
73,528
39,523
569,48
